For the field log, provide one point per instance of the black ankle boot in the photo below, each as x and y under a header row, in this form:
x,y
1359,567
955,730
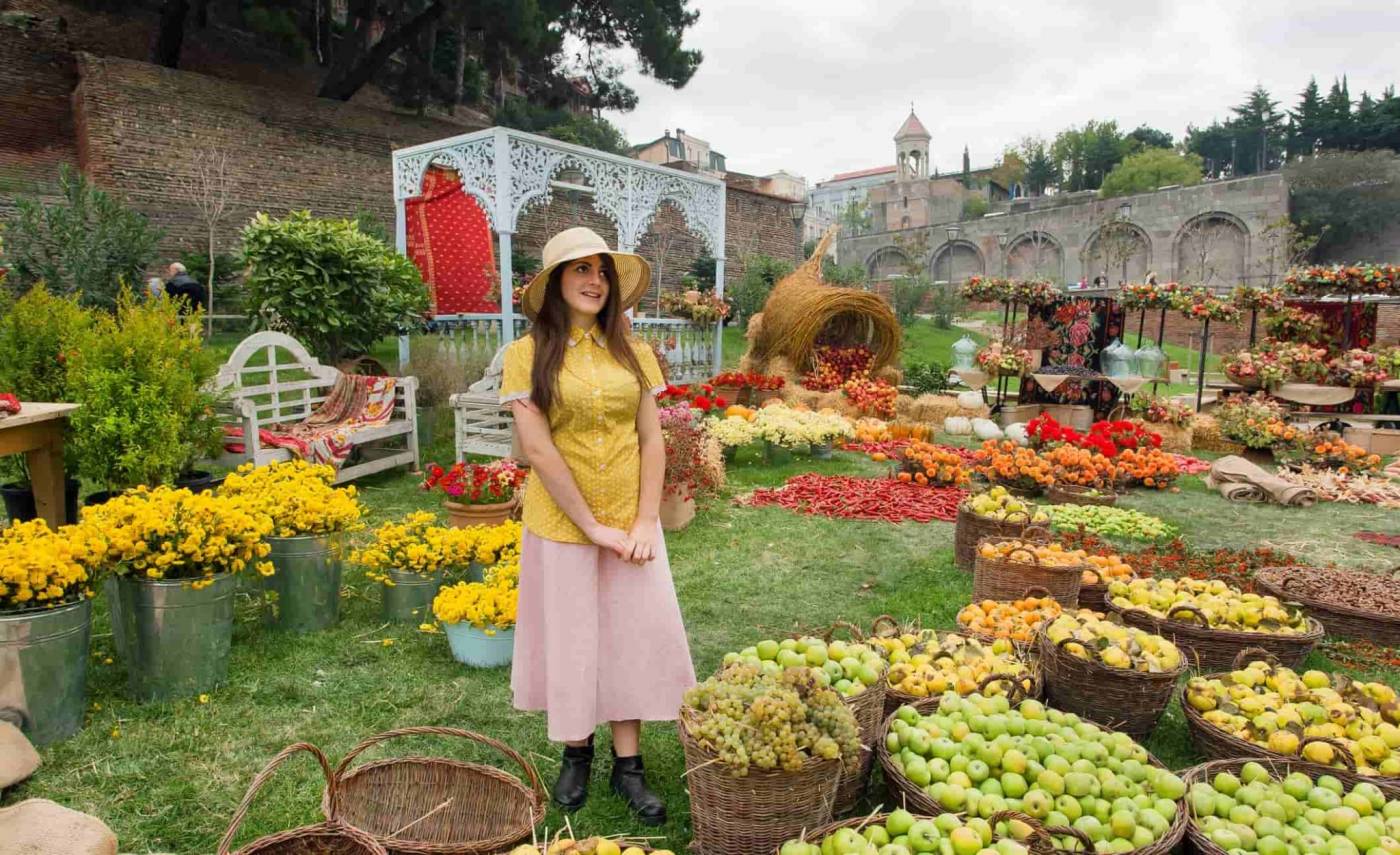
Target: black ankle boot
x,y
629,781
571,790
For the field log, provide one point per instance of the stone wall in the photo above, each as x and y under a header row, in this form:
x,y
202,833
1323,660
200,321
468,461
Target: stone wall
x,y
1058,237
36,128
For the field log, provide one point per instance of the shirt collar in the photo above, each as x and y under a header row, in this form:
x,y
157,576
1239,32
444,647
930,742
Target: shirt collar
x,y
594,332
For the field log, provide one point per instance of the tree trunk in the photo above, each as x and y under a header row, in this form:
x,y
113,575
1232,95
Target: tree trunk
x,y
172,33
459,68
346,78
209,313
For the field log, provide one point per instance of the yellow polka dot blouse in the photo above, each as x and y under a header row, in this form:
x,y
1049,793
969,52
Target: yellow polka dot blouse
x,y
594,425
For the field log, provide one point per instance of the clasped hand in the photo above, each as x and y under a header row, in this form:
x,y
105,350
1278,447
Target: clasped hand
x,y
637,546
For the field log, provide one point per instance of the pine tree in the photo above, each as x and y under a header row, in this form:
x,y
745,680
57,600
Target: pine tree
x,y
1307,122
1258,133
1337,122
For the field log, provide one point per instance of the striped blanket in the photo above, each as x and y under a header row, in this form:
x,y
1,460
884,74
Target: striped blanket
x,y
328,434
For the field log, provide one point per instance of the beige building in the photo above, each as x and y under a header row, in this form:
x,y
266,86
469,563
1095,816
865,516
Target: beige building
x,y
696,155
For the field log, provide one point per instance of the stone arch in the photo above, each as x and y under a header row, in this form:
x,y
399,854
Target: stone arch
x,y
1212,249
1112,247
1033,254
957,260
887,262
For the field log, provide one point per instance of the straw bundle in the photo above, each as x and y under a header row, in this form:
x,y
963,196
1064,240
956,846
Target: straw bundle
x,y
803,311
935,408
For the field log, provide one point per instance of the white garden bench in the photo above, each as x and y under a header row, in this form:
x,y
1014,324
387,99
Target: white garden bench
x,y
481,425
287,387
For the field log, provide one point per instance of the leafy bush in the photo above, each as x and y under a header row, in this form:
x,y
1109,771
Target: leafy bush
x,y
89,244
329,285
140,378
926,377
945,303
908,295
847,275
973,207
761,273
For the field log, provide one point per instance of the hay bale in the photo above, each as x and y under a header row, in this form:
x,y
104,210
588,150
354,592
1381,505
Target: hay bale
x,y
806,397
837,401
780,367
1206,436
890,375
803,310
904,407
934,409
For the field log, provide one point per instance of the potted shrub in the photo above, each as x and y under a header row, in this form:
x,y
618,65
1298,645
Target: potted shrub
x,y
174,555
46,582
37,335
479,617
141,379
694,465
477,493
310,519
412,558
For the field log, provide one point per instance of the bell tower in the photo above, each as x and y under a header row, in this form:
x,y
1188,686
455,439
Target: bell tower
x,y
911,148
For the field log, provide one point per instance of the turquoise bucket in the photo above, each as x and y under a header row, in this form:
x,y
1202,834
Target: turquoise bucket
x,y
472,646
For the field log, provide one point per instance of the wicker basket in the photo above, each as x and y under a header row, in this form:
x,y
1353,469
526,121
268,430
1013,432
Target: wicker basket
x,y
755,814
869,709
1216,744
1093,595
1002,579
1032,683
1339,619
1025,650
1073,494
1118,698
1196,840
1039,842
438,805
972,527
331,837
1209,649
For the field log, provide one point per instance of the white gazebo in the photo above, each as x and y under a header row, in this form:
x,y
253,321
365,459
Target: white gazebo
x,y
508,171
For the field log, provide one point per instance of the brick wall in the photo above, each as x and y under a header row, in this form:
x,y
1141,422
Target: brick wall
x,y
141,127
37,74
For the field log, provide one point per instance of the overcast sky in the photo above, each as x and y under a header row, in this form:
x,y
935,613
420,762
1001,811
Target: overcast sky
x,y
820,86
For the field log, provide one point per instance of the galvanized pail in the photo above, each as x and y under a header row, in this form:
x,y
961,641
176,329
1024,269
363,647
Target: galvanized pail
x,y
176,637
43,669
303,595
472,646
410,598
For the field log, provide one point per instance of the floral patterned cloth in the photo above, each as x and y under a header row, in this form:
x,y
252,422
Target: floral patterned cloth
x,y
450,241
327,435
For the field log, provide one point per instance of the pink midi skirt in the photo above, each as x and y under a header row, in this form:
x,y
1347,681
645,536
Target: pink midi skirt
x,y
597,639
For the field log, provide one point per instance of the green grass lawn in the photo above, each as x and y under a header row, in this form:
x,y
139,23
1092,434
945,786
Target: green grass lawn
x,y
166,777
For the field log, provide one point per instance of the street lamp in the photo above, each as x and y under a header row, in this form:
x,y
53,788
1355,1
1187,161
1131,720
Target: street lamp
x,y
953,232
1003,238
1125,211
798,211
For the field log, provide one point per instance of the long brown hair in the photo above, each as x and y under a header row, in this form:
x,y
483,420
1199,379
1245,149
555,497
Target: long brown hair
x,y
551,334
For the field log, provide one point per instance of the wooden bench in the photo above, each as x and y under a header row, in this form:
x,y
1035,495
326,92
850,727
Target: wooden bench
x,y
286,386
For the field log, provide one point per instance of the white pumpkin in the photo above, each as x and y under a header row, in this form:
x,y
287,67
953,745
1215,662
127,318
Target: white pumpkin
x,y
957,426
1017,433
986,429
970,400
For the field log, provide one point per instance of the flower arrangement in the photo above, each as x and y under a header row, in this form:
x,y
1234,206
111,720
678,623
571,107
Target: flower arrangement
x,y
927,464
1255,422
476,483
1157,410
497,545
487,607
1034,292
417,544
42,568
832,366
1388,359
1104,437
1357,368
701,307
700,397
789,427
871,397
298,496
1000,360
1321,280
1327,450
1254,369
1010,465
1303,362
1147,295
1148,467
1200,304
1080,466
987,289
1250,299
164,533
690,471
735,431
1294,324
749,380
827,426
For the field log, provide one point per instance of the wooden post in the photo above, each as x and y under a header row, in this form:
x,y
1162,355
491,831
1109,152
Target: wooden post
x,y
1201,371
1142,321
1253,325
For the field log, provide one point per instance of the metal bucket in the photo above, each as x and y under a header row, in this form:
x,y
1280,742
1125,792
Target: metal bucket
x,y
303,595
175,639
410,598
43,669
472,646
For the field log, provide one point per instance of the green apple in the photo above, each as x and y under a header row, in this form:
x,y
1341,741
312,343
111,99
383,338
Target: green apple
x,y
923,836
767,650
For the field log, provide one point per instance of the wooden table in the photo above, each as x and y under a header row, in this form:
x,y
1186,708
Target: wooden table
x,y
37,433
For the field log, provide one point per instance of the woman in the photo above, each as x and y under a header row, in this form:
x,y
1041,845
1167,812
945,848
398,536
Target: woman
x,y
598,634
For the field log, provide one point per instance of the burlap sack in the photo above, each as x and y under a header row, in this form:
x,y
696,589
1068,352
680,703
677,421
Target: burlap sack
x,y
42,827
18,759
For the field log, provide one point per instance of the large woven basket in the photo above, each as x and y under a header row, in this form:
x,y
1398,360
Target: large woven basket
x,y
754,814
1073,494
1118,698
1338,618
1216,744
1002,579
1039,842
1093,595
1032,683
972,527
439,805
331,837
1196,840
1209,649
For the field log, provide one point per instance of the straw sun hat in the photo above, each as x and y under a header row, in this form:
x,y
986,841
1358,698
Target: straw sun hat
x,y
633,271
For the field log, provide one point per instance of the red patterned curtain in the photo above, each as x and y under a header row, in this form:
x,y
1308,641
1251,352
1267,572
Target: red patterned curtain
x,y
449,239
